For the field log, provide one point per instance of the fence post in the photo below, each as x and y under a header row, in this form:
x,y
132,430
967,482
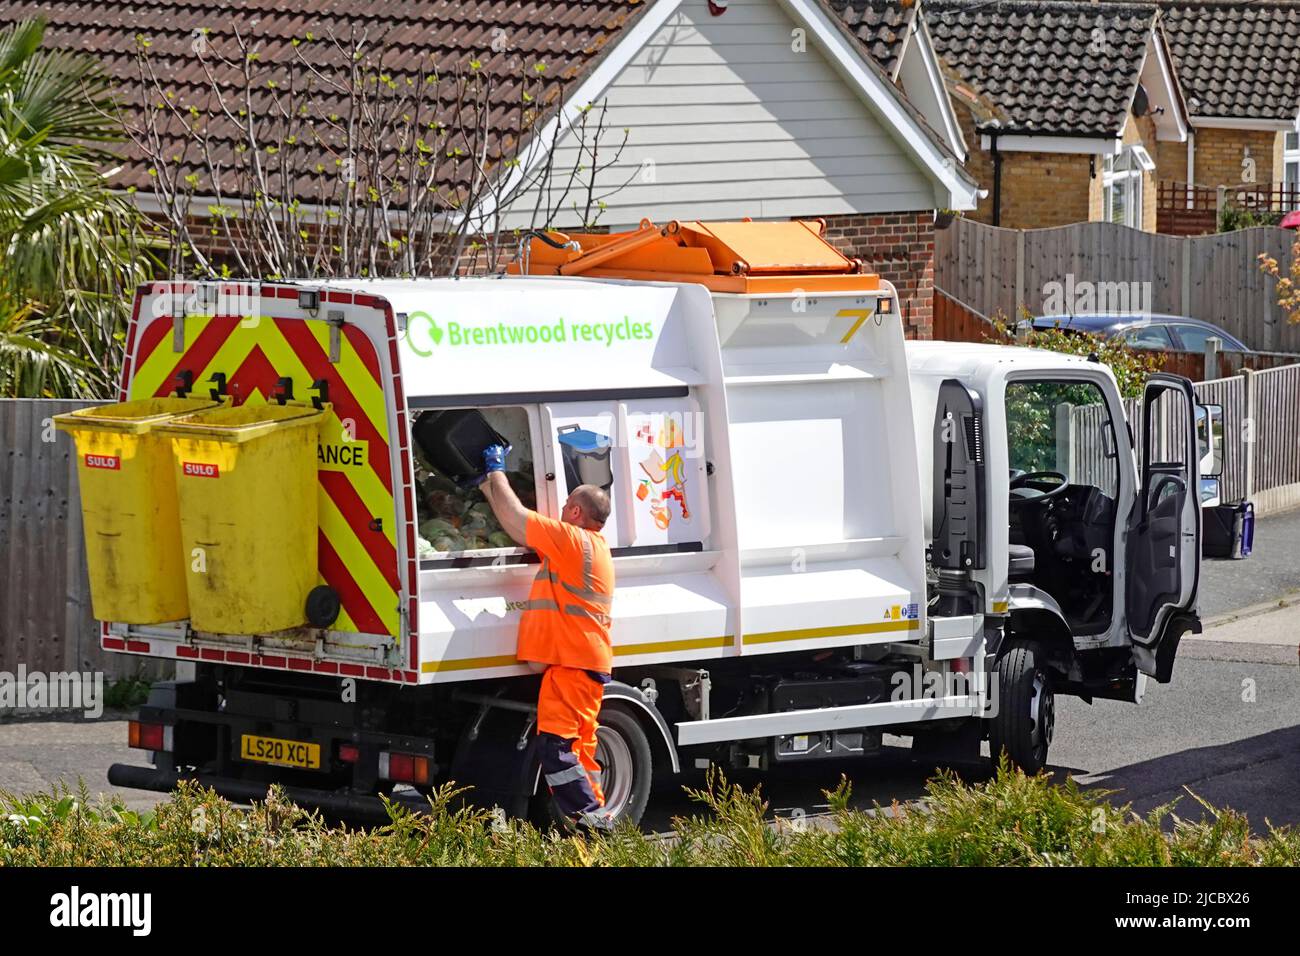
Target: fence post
x,y
1187,276
1212,346
1065,438
1248,429
1020,276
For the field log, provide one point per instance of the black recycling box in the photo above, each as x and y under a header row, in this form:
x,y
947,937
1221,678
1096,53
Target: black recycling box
x,y
1228,531
454,441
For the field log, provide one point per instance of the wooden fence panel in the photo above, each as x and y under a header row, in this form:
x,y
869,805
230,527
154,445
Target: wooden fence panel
x,y
1276,428
45,614
985,259
1215,278
954,322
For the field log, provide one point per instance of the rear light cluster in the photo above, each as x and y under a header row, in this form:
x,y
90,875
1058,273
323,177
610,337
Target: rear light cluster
x,y
404,768
147,736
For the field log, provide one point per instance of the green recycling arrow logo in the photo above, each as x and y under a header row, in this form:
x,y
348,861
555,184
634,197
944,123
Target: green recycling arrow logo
x,y
435,331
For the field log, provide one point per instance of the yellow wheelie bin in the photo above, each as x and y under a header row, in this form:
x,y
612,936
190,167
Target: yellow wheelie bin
x,y
246,485
128,508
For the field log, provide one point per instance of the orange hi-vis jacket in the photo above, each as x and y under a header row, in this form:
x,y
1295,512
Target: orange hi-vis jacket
x,y
566,619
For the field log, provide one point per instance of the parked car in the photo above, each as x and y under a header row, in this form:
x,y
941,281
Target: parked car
x,y
1177,333
1291,220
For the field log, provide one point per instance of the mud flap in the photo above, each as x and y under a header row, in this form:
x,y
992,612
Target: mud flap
x,y
497,757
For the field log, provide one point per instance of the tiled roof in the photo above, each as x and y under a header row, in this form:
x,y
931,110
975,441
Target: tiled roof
x,y
1046,67
880,25
510,39
1236,60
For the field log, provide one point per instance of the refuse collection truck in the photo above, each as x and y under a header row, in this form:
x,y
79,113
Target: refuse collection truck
x,y
821,534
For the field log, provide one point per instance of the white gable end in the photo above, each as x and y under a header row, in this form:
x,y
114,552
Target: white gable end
x,y
737,115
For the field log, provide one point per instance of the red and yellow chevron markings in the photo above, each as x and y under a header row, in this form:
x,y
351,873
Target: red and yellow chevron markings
x,y
358,554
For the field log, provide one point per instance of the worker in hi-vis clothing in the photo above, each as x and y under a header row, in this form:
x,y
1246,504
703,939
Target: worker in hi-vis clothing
x,y
564,632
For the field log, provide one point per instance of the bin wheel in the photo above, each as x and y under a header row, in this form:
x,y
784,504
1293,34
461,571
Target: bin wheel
x,y
323,606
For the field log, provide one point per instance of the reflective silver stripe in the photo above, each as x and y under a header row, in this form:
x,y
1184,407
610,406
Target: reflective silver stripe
x,y
576,611
595,597
540,604
587,583
545,573
561,777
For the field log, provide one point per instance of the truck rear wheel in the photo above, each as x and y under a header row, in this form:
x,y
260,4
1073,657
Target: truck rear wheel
x,y
627,768
1026,716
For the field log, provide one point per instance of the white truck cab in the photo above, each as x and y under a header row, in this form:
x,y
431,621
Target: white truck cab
x,y
819,533
1066,536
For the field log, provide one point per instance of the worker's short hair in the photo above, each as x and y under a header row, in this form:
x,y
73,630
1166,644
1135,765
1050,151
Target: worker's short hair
x,y
594,503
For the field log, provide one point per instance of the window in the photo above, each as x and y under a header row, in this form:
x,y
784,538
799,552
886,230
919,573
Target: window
x,y
1148,337
1061,426
1065,426
454,520
1122,187
1193,338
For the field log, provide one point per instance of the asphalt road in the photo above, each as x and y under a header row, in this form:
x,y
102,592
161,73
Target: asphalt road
x,y
1227,727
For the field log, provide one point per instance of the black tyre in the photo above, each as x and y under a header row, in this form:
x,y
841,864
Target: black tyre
x,y
1026,717
627,769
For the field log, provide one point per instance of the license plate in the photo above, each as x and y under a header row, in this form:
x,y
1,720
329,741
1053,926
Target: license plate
x,y
282,753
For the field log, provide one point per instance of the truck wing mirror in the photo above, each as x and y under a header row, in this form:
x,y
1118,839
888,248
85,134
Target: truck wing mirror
x,y
1209,439
959,519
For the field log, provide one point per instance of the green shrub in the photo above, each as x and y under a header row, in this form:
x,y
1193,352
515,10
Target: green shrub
x,y
126,694
1010,820
1232,218
1131,366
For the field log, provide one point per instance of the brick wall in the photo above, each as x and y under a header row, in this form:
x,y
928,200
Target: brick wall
x,y
1038,189
900,248
1219,153
1045,189
1171,161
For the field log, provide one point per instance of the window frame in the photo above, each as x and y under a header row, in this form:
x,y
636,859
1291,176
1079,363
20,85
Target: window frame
x,y
1127,178
516,553
1291,159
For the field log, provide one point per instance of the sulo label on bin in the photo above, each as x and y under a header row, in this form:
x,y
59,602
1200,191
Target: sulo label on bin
x,y
199,469
111,462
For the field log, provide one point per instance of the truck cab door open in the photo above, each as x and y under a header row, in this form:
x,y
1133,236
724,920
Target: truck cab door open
x,y
1164,528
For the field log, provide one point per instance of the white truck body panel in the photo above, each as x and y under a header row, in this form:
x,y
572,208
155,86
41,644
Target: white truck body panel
x,y
813,531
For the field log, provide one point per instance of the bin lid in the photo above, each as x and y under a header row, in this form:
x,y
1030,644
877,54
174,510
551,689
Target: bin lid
x,y
584,440
133,417
243,423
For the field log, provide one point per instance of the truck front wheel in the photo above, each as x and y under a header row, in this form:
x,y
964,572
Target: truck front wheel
x,y
1026,714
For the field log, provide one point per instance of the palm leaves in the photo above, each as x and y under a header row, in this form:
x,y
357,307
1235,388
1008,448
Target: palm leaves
x,y
70,249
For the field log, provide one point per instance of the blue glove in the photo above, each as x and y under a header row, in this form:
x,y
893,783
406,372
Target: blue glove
x,y
494,459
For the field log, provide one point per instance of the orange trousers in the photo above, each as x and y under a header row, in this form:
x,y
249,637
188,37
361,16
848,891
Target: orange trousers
x,y
567,708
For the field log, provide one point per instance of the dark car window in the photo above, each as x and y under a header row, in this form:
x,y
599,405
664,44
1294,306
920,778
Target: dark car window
x,y
1148,337
1193,338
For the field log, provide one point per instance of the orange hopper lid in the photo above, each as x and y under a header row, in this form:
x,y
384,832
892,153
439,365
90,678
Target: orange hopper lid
x,y
738,257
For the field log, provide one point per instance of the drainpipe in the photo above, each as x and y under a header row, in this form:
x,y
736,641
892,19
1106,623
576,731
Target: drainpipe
x,y
1191,168
997,179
